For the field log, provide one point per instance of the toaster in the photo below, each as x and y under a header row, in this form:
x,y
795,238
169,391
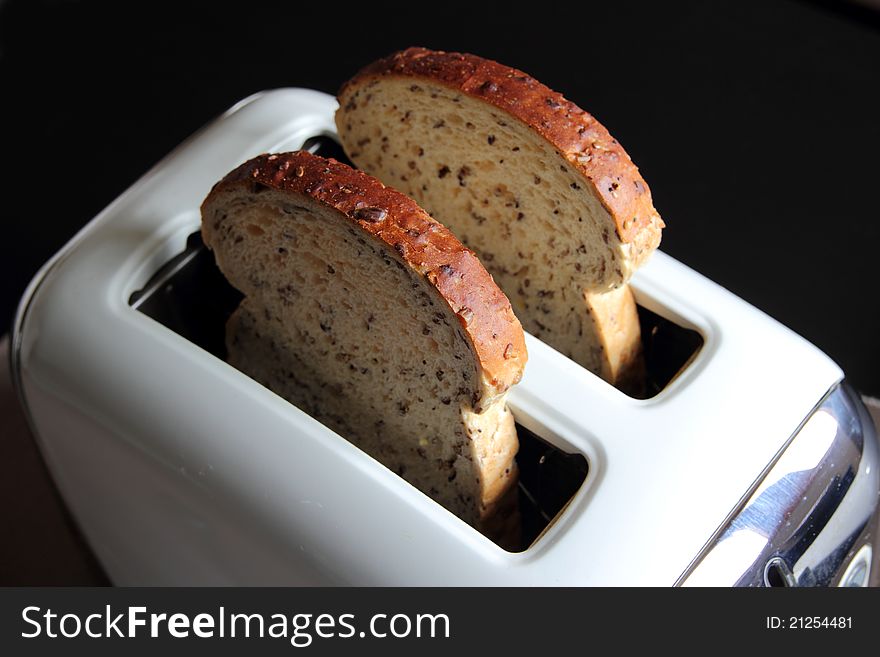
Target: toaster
x,y
748,462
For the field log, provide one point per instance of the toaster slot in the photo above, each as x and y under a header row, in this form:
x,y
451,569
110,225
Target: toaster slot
x,y
191,297
548,480
668,348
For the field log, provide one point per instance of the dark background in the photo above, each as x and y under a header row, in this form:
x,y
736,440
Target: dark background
x,y
756,124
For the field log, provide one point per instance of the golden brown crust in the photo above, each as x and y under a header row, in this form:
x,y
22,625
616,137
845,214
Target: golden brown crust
x,y
578,137
427,246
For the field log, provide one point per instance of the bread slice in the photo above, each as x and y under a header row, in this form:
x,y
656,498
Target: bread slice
x,y
550,201
369,315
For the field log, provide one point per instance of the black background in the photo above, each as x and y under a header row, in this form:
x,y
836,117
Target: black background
x,y
756,124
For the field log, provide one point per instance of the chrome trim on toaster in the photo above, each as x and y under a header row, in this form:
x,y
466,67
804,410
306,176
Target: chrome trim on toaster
x,y
825,476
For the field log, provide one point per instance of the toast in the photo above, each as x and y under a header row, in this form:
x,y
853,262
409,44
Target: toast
x,y
372,317
550,201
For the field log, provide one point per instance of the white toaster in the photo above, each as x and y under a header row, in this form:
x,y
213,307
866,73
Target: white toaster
x,y
750,463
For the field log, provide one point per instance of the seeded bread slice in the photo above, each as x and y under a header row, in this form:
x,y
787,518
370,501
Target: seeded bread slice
x,y
551,202
369,315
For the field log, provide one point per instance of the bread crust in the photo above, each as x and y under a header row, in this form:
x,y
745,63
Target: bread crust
x,y
576,134
425,245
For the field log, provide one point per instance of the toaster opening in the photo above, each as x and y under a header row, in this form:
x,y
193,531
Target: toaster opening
x,y
191,297
668,348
